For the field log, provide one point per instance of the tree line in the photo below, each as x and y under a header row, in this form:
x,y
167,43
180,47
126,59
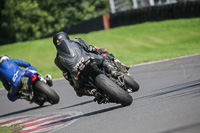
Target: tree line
x,y
22,20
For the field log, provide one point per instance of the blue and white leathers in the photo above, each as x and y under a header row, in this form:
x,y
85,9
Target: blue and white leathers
x,y
10,74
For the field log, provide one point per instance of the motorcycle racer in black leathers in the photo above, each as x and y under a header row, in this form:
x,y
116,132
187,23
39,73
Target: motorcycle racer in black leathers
x,y
71,53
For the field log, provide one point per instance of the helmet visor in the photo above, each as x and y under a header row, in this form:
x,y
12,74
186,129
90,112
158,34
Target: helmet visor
x,y
63,47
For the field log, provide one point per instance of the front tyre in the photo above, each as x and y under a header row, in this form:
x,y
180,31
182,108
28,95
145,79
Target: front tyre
x,y
49,94
112,90
130,82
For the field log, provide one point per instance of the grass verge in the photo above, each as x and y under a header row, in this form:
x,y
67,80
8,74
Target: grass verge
x,y
11,129
130,44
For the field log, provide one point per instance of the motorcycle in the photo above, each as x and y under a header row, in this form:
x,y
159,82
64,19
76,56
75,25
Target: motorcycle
x,y
34,89
111,89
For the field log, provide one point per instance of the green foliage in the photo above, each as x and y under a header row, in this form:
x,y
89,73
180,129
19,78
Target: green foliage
x,y
72,12
31,19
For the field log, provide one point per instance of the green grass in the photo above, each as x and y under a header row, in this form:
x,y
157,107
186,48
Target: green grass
x,y
11,129
130,44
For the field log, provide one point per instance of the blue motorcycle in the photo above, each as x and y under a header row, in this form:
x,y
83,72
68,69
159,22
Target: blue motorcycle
x,y
34,88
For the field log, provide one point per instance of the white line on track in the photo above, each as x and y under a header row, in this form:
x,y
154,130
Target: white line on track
x,y
153,62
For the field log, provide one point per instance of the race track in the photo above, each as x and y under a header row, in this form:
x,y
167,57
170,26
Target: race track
x,y
168,101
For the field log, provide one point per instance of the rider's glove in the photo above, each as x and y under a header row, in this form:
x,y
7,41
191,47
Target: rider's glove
x,y
92,49
27,64
98,51
65,74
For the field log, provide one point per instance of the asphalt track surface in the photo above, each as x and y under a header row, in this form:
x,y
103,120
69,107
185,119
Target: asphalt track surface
x,y
168,101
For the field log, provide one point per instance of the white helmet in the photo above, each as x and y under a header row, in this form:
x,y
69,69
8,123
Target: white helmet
x,y
3,58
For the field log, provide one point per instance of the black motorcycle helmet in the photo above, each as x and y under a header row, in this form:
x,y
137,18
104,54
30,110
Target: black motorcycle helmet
x,y
59,37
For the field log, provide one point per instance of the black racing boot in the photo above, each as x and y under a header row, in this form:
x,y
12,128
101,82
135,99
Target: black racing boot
x,y
99,98
91,92
115,74
86,92
110,68
121,66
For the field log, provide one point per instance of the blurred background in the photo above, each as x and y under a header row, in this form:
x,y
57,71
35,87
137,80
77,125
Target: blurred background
x,y
22,20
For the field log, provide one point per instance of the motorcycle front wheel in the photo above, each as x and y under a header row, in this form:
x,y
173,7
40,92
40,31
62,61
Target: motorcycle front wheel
x,y
130,82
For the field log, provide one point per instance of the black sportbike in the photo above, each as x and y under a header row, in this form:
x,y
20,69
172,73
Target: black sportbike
x,y
110,89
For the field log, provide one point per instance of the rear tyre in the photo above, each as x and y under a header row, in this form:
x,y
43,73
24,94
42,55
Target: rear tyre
x,y
112,90
49,94
130,82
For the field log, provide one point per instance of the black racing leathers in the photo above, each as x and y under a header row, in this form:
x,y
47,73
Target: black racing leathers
x,y
70,53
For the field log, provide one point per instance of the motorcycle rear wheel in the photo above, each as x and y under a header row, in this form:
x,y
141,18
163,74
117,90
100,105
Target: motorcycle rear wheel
x,y
49,94
112,90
